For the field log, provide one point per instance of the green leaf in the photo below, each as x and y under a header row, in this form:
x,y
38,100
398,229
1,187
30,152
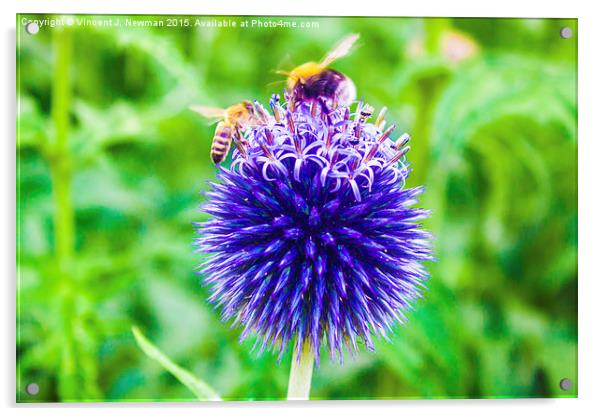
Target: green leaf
x,y
32,125
200,389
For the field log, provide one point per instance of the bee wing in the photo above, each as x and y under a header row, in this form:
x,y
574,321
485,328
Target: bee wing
x,y
340,50
275,83
212,114
285,62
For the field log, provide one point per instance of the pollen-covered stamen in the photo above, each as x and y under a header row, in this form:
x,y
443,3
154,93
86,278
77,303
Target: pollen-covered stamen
x,y
358,110
371,152
380,119
378,143
347,114
346,120
266,151
325,111
398,156
241,148
269,137
353,165
333,161
297,144
291,123
328,141
275,106
261,112
402,141
362,114
301,155
354,187
357,132
314,108
291,100
354,170
386,133
240,142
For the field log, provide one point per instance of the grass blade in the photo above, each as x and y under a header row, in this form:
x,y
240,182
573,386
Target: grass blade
x,y
200,389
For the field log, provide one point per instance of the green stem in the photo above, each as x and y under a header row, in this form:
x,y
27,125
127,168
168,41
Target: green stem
x,y
299,382
434,28
61,159
429,89
64,223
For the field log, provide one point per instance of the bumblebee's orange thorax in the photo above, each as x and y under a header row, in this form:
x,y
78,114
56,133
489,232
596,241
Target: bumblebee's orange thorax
x,y
302,73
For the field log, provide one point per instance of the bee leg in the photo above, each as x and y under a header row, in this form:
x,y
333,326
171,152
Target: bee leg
x,y
291,99
325,110
292,104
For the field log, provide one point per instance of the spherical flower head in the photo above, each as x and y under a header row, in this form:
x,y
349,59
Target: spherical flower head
x,y
313,237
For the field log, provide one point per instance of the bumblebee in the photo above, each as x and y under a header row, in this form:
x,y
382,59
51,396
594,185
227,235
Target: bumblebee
x,y
314,80
229,123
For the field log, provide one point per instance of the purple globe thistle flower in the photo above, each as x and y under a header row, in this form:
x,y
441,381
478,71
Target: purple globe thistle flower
x,y
313,237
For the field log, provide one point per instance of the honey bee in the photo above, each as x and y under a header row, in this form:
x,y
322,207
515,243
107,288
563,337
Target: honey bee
x,y
230,121
313,80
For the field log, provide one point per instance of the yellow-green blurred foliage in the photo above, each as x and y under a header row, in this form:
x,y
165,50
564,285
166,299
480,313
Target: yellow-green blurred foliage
x,y
111,162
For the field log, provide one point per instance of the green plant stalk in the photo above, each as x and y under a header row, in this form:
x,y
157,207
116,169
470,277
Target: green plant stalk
x,y
199,388
64,228
434,30
429,90
60,155
299,382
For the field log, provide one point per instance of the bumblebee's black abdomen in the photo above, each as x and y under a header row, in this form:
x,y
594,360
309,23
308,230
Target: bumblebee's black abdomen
x,y
325,84
328,84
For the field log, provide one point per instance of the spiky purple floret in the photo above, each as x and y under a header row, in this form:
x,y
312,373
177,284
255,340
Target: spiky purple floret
x,y
313,236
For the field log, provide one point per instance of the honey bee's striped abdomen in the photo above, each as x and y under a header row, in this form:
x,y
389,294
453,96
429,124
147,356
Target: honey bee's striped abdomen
x,y
221,142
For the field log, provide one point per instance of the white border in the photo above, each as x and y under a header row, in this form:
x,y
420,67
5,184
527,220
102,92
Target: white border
x,y
507,8
590,201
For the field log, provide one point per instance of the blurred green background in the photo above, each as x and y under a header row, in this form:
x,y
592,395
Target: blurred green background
x,y
111,162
